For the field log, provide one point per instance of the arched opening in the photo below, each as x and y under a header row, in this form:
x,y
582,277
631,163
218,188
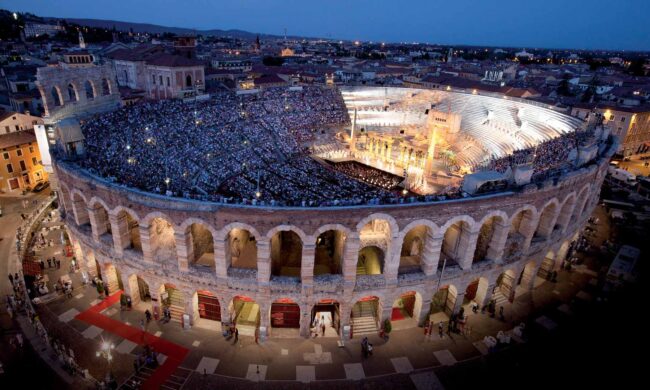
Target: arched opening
x,y
162,240
92,266
505,288
517,234
129,229
580,203
406,310
486,243
566,211
410,260
103,224
285,314
286,254
562,254
56,97
365,316
66,201
106,87
90,91
546,269
112,280
328,258
246,315
546,222
174,300
241,249
72,93
527,279
371,261
188,81
80,211
443,304
326,312
139,290
207,309
200,245
453,243
476,292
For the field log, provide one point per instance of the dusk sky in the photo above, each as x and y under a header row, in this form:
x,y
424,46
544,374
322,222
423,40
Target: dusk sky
x,y
588,24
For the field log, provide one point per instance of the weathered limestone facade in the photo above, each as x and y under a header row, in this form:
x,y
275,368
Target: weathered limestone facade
x,y
525,226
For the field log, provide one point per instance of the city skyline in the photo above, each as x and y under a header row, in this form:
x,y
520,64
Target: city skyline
x,y
553,24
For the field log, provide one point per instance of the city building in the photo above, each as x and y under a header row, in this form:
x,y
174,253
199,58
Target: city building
x,y
21,166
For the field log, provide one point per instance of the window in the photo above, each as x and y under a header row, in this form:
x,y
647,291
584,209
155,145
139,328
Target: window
x,y
17,128
160,80
7,129
10,168
23,166
34,161
623,119
5,155
31,149
19,152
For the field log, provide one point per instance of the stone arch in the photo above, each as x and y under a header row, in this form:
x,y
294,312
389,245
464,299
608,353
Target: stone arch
x,y
522,225
207,308
285,313
444,300
106,87
372,261
505,286
407,306
566,211
364,315
240,246
89,88
79,208
416,246
477,291
198,239
162,239
99,219
245,313
57,97
548,266
111,278
493,227
527,277
581,201
188,81
286,245
329,250
456,243
394,227
222,233
73,94
547,218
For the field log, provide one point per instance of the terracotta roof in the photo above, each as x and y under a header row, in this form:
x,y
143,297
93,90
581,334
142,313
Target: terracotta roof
x,y
171,60
17,138
269,79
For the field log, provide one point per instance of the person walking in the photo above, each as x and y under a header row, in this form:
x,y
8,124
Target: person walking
x,y
11,279
323,328
41,265
58,264
49,263
236,334
441,329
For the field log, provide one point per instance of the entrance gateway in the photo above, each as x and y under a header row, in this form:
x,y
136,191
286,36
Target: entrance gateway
x,y
326,311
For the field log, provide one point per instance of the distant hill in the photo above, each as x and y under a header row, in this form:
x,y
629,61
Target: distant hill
x,y
157,29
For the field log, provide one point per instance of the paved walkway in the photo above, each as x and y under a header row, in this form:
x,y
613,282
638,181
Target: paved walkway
x,y
201,357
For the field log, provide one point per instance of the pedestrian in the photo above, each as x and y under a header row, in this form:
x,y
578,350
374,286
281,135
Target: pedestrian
x,y
501,317
323,328
11,279
147,314
49,262
236,334
441,329
58,264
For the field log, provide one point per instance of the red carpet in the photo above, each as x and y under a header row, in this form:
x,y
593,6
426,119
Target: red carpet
x,y
174,352
397,314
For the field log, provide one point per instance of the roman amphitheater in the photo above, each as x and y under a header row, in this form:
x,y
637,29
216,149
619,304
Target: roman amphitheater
x,y
446,199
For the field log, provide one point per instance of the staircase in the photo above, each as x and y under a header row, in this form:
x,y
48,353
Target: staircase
x,y
361,269
176,304
363,319
499,298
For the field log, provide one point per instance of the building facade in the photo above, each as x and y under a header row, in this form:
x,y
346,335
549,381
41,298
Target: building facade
x,y
21,166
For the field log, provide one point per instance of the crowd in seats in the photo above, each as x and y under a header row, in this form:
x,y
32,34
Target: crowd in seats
x,y
369,174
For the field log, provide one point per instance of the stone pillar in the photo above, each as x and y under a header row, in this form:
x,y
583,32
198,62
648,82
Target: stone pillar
x,y
184,249
221,259
265,316
121,234
488,295
225,313
264,262
431,252
466,247
498,241
131,288
344,313
98,222
305,320
391,267
424,312
191,302
307,268
145,240
527,229
80,211
350,259
385,312
460,297
155,298
545,226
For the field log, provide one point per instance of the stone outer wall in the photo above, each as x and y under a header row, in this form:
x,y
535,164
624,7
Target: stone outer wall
x,y
93,204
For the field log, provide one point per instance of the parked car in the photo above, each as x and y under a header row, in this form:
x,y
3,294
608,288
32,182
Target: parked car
x,y
41,186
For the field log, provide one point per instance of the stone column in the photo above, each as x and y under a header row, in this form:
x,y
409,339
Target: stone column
x,y
305,320
225,313
184,249
221,260
155,298
350,259
424,312
498,241
263,262
344,313
131,288
145,240
527,230
385,312
98,222
265,316
190,307
121,234
460,297
391,267
307,268
467,246
545,225
431,252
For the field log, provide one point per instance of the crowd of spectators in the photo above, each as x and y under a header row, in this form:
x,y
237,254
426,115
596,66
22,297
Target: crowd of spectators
x,y
369,174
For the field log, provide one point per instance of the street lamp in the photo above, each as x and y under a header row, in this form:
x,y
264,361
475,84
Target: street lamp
x,y
106,352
